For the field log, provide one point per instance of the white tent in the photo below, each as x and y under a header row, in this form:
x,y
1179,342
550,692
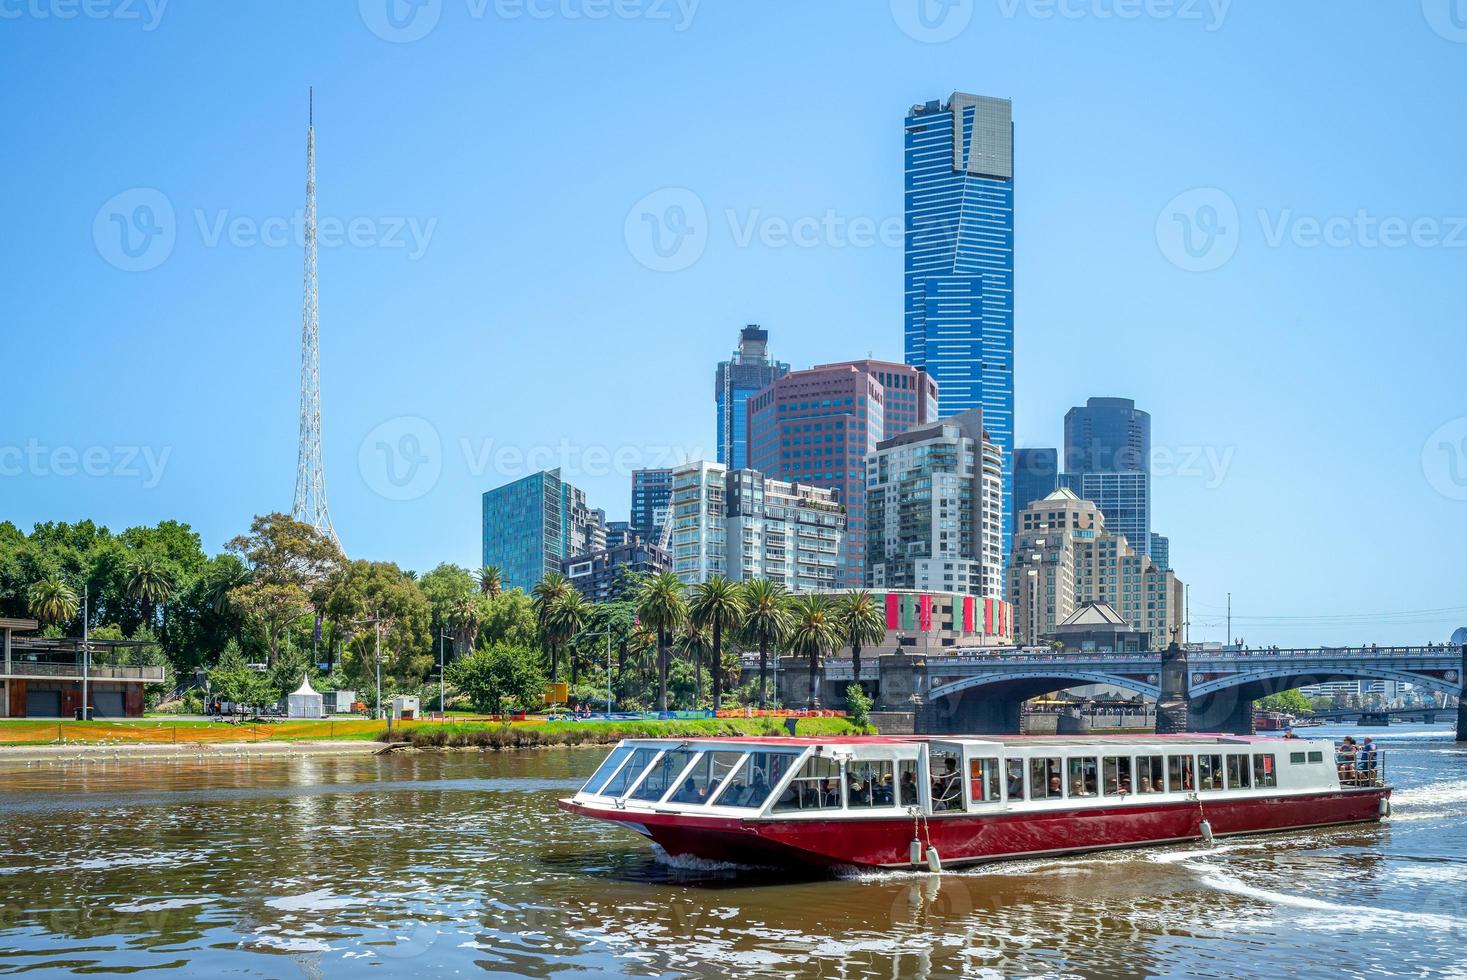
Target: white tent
x,y
305,702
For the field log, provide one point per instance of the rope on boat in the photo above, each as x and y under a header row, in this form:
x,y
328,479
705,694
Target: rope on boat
x,y
1204,826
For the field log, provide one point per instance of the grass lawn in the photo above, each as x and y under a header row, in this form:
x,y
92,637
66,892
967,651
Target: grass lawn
x,y
494,734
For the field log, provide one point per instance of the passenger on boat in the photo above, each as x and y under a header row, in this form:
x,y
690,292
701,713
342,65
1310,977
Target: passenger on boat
x,y
946,788
1366,759
1056,786
829,795
883,791
909,788
1125,785
1345,759
690,792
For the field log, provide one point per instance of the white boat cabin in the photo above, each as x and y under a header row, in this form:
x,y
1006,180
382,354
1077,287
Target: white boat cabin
x,y
855,778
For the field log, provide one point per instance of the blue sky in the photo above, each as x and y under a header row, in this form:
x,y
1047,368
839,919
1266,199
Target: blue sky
x,y
491,301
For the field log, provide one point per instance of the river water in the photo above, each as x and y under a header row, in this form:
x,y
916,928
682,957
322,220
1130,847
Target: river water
x,y
460,863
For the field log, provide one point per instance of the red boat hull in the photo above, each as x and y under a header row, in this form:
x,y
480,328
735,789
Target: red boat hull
x,y
973,838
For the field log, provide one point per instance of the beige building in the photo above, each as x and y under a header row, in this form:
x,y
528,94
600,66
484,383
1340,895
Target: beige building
x,y
1065,558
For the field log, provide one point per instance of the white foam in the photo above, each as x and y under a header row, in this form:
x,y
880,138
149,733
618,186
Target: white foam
x,y
162,904
1341,916
293,944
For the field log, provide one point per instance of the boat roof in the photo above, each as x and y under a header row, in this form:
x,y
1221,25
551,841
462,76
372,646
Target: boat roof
x,y
805,741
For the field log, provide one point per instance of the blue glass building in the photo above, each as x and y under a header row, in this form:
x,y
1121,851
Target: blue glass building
x,y
748,371
1036,476
959,242
1108,461
532,524
651,498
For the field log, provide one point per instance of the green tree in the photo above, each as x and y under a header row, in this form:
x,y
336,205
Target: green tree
x,y
149,583
661,606
232,679
547,594
567,618
766,621
508,618
290,563
858,705
501,673
1288,702
382,591
694,641
861,624
718,606
491,580
52,601
813,633
446,586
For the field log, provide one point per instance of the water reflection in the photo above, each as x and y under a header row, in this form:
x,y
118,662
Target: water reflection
x,y
320,865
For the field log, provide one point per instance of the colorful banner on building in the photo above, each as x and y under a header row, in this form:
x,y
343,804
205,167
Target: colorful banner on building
x,y
925,613
893,611
968,618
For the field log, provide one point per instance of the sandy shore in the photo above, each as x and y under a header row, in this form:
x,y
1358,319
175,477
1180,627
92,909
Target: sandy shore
x,y
10,754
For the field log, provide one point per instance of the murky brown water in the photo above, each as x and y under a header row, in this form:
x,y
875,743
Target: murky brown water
x,y
460,863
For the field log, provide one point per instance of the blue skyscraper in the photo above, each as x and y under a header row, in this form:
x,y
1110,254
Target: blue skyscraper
x,y
651,497
959,306
1036,476
532,524
1108,461
748,371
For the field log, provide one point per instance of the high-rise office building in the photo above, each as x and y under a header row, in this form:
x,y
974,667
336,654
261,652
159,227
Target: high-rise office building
x,y
532,524
605,575
651,494
1161,551
1107,459
747,371
816,427
1036,476
742,524
934,509
959,267
1065,556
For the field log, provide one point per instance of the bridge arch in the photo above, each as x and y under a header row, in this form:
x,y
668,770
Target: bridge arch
x,y
1061,677
1273,677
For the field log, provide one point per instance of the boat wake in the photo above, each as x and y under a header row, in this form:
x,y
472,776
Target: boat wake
x,y
697,865
1429,802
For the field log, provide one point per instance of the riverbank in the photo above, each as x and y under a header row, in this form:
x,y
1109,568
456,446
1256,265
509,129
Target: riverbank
x,y
146,752
164,736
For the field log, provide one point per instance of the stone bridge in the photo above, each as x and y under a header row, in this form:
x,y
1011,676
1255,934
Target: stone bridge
x,y
981,691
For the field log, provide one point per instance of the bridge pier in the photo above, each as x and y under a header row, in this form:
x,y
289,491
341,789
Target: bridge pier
x,y
1223,712
967,716
1172,707
1462,698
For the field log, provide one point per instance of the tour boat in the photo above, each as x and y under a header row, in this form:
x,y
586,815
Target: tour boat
x,y
935,802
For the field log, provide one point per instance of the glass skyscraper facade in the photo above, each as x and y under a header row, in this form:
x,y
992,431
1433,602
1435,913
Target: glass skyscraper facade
x,y
959,266
532,524
651,498
1036,476
748,371
1108,461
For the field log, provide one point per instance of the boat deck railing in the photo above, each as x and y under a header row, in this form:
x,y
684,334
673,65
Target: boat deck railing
x,y
1360,769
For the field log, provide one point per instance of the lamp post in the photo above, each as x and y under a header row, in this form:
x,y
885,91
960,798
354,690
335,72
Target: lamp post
x,y
376,625
442,699
86,646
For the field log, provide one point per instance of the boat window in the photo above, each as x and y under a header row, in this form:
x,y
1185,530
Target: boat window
x,y
1238,772
1149,771
870,783
1265,773
1297,758
907,781
1046,779
627,775
983,780
1210,772
817,787
750,786
1179,774
1316,757
1016,779
1117,776
603,772
704,777
1084,776
664,772
947,780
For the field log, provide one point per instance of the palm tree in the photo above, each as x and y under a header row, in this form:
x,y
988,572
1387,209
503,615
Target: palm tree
x,y
148,583
546,594
766,620
661,606
226,578
52,601
694,641
568,618
465,619
860,624
718,605
814,632
490,580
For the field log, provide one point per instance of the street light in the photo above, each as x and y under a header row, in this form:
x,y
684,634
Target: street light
x,y
442,700
376,624
86,647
